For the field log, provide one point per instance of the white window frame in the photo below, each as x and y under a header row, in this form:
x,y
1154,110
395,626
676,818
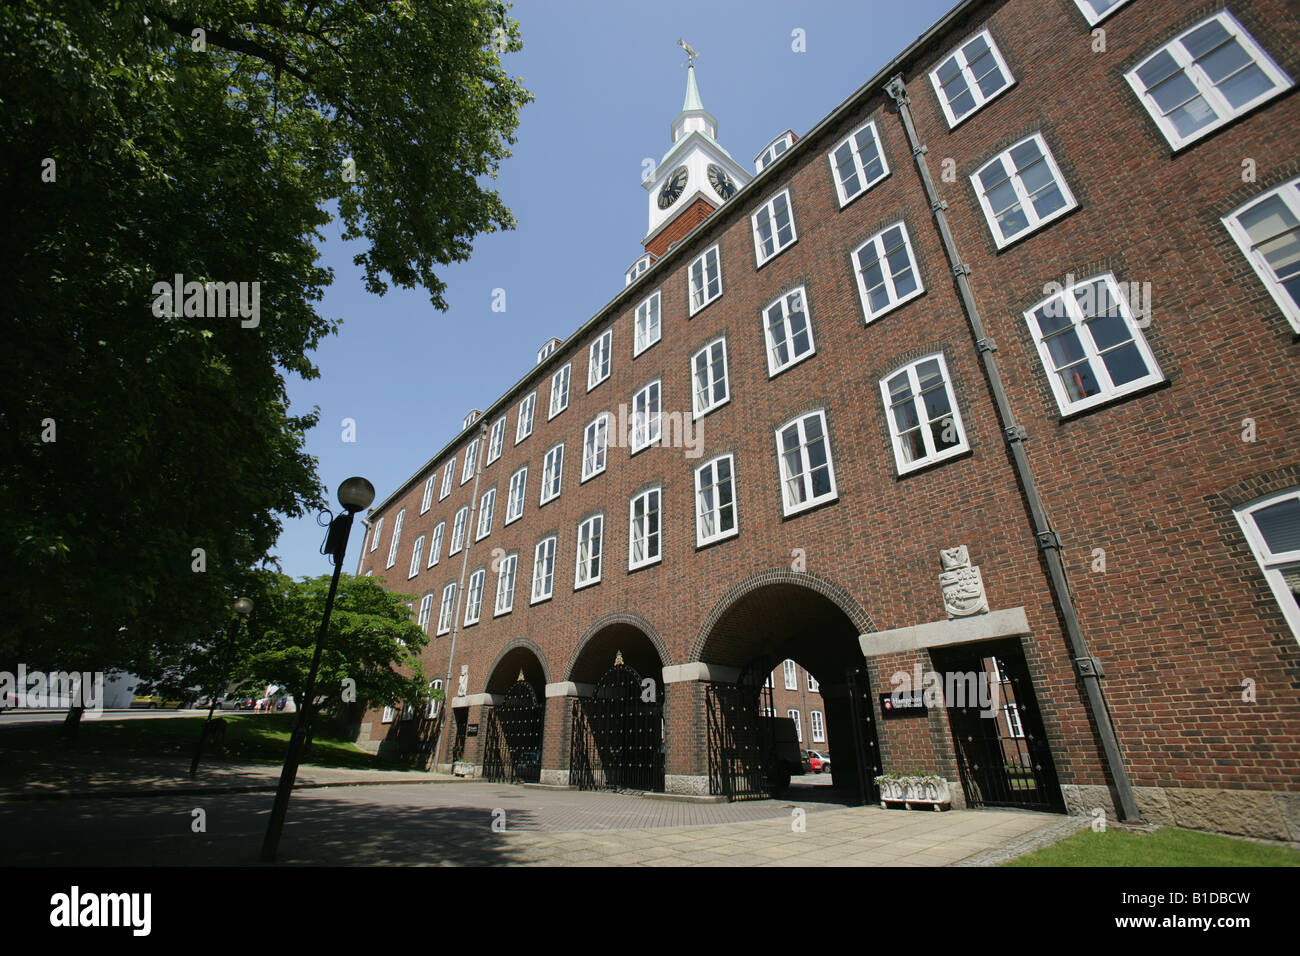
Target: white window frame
x,y
595,446
524,423
1109,392
652,306
397,537
877,244
435,544
1090,12
1289,194
641,264
803,478
431,709
487,506
507,572
770,152
552,474
599,359
1034,222
587,570
427,501
933,455
711,466
813,686
977,94
458,531
426,612
417,552
769,210
790,674
647,427
793,714
698,410
448,477
559,391
855,144
515,495
699,302
781,305
387,716
544,569
643,532
474,596
447,609
471,459
1272,564
374,537
1011,714
817,722
1224,111
496,440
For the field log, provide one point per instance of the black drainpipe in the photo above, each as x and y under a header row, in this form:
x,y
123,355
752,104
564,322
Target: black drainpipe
x,y
1087,667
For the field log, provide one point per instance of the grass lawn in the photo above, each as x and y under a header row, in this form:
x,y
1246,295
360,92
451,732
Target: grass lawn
x,y
252,738
1168,846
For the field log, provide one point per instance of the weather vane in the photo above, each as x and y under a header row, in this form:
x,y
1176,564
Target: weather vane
x,y
690,51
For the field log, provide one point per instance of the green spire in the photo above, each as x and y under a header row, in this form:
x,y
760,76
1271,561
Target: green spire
x,y
692,101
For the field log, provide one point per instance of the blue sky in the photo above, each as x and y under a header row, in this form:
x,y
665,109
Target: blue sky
x,y
608,78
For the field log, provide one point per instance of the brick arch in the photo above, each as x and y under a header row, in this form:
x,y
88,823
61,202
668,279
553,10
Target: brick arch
x,y
618,618
520,643
783,578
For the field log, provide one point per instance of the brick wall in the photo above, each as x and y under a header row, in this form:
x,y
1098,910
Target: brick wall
x,y
1180,616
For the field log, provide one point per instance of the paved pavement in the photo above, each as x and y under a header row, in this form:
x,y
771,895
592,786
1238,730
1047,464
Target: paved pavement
x,y
33,775
89,809
483,824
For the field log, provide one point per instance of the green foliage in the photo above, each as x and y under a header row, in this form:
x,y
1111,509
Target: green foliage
x,y
173,433
371,641
249,738
1168,846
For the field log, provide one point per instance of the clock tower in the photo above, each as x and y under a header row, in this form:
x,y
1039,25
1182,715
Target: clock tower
x,y
695,176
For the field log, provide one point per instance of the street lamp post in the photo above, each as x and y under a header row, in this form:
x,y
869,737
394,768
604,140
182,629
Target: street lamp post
x,y
354,495
243,608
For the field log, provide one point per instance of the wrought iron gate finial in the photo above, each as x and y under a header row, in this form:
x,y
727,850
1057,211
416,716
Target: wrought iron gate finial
x,y
618,658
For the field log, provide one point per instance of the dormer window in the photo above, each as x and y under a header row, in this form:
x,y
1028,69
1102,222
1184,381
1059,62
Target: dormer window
x,y
641,265
544,352
470,419
774,149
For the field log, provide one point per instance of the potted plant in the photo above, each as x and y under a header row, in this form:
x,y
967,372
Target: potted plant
x,y
914,789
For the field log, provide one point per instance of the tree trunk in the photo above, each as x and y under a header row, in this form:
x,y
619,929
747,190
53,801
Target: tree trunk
x,y
71,723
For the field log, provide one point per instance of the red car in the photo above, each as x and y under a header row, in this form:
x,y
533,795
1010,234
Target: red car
x,y
818,763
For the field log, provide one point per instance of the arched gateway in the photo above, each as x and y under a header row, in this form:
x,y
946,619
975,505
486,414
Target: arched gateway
x,y
616,720
512,742
761,621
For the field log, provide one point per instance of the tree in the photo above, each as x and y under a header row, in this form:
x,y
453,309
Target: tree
x,y
372,650
148,454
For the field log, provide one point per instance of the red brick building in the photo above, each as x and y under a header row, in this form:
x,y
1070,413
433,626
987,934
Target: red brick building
x,y
992,372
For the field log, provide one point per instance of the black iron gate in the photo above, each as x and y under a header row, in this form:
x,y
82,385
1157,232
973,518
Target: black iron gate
x,y
617,734
1002,749
512,746
741,741
865,745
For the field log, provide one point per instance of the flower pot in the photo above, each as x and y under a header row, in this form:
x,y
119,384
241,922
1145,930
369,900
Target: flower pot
x,y
914,792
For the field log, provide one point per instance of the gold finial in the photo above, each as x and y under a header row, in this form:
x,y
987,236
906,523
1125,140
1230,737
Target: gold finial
x,y
690,51
618,659
521,674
